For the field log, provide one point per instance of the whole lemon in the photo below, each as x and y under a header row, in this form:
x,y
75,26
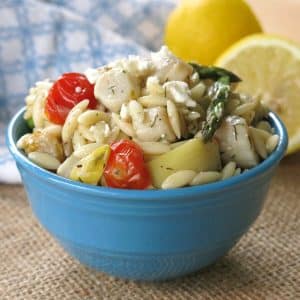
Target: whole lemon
x,y
200,30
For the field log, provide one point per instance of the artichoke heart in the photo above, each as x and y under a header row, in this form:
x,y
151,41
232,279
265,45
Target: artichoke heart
x,y
90,168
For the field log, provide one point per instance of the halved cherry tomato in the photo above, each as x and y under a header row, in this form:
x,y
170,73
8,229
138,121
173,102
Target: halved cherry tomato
x,y
126,167
66,92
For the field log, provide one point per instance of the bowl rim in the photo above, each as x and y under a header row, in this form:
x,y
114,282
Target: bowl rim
x,y
132,195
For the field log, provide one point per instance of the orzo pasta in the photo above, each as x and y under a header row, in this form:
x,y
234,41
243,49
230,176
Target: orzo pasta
x,y
144,123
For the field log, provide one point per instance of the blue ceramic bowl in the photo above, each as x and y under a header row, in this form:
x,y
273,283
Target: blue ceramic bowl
x,y
146,235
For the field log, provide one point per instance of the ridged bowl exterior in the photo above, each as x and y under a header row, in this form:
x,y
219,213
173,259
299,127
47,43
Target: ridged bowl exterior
x,y
146,235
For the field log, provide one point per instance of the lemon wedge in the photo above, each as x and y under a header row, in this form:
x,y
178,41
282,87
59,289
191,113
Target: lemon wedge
x,y
270,69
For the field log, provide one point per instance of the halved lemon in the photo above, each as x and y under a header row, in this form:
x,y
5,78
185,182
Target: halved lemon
x,y
200,30
270,69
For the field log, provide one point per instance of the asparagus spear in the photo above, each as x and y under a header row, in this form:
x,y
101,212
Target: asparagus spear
x,y
219,93
214,73
30,123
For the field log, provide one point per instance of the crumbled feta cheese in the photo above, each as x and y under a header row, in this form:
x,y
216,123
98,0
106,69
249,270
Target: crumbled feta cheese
x,y
135,65
139,66
179,92
169,67
163,57
153,86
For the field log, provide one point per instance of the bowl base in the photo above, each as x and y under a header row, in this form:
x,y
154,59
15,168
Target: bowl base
x,y
146,267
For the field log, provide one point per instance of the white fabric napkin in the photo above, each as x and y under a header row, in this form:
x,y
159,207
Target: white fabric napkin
x,y
42,39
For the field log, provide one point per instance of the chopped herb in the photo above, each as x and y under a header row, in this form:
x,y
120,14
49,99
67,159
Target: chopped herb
x,y
235,132
169,169
154,120
112,89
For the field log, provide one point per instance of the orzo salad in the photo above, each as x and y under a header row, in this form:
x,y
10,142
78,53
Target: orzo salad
x,y
142,123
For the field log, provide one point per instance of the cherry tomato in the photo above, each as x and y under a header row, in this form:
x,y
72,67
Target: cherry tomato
x,y
66,92
126,167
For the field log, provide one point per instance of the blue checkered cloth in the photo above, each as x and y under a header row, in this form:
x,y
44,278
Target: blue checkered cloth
x,y
42,39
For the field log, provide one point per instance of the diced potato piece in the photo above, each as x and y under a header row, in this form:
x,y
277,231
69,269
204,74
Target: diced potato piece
x,y
193,155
